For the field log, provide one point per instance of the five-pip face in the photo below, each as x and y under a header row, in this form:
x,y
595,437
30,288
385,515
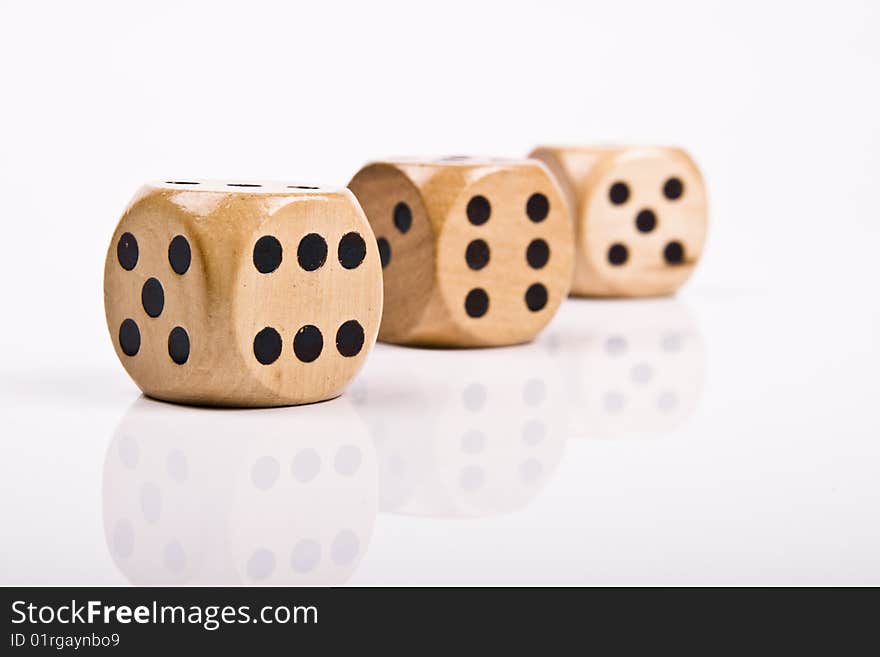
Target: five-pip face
x,y
475,252
242,294
640,216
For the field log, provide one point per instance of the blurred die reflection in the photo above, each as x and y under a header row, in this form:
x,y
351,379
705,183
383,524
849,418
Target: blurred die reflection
x,y
463,432
632,367
276,496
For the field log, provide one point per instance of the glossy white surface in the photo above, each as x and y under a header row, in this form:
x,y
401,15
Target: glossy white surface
x,y
728,435
637,441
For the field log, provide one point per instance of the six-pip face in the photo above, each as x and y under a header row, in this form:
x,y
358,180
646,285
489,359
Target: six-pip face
x,y
242,294
476,252
473,252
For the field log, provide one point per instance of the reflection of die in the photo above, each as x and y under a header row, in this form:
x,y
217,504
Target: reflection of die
x,y
164,493
632,367
210,497
475,252
306,497
640,217
242,294
475,433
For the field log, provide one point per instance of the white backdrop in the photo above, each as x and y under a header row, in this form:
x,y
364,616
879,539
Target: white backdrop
x,y
777,101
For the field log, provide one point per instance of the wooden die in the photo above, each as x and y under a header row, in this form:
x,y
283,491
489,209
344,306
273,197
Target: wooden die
x,y
242,294
640,217
474,252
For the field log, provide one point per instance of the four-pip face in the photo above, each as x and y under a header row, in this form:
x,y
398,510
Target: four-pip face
x,y
640,217
474,252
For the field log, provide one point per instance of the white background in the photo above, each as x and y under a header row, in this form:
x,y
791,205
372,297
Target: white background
x,y
771,477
